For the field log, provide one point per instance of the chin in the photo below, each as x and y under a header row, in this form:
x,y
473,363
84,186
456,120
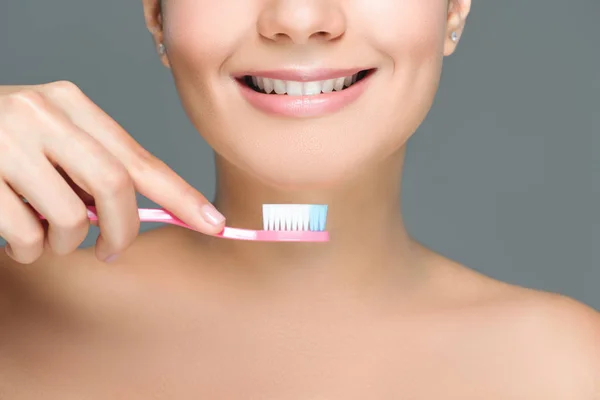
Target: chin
x,y
292,178
293,170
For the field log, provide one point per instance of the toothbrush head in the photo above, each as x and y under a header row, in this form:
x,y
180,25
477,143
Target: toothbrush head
x,y
286,223
294,217
294,223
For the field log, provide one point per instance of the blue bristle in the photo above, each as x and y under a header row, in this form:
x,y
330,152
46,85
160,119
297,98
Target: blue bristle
x,y
318,217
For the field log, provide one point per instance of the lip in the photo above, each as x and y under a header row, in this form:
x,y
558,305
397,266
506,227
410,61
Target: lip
x,y
305,106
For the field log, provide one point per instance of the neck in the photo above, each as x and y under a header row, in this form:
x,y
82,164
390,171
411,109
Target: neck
x,y
367,234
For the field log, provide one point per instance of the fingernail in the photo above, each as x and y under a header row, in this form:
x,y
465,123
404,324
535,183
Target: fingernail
x,y
8,250
211,215
111,258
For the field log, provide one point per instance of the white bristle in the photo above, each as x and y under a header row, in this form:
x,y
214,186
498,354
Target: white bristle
x,y
295,221
266,216
294,217
305,218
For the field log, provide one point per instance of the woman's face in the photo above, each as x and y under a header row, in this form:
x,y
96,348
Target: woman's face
x,y
312,129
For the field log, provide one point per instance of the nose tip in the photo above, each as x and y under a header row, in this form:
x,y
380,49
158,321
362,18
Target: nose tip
x,y
302,22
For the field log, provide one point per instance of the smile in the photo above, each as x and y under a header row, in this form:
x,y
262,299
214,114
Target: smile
x,y
303,93
295,88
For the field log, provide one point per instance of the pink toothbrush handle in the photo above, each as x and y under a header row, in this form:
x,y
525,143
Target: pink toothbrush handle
x,y
160,215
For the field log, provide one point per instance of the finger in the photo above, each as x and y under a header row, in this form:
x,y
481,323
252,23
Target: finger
x,y
118,217
96,171
49,194
20,227
151,177
87,198
155,180
80,192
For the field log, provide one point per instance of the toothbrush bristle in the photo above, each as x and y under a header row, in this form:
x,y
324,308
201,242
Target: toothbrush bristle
x,y
294,217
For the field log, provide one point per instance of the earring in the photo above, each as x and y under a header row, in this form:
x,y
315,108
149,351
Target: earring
x,y
454,36
161,49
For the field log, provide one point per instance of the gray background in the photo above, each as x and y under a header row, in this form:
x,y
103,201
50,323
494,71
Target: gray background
x,y
503,176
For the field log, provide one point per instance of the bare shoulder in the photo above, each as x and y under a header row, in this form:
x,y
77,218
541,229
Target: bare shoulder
x,y
50,272
570,321
569,329
80,273
559,337
549,338
562,319
558,319
547,343
12,273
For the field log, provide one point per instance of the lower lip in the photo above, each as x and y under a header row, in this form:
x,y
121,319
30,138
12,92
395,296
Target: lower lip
x,y
305,106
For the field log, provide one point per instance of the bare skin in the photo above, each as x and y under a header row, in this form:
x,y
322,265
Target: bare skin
x,y
154,325
182,315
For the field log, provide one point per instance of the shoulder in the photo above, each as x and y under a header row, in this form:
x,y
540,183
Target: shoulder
x,y
545,341
558,321
19,282
556,337
569,329
562,322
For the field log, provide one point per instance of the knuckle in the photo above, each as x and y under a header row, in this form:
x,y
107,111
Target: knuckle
x,y
26,99
114,179
120,239
75,219
66,249
63,88
121,244
27,239
143,162
23,260
28,257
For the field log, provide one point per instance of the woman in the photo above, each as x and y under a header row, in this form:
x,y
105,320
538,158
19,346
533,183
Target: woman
x,y
177,314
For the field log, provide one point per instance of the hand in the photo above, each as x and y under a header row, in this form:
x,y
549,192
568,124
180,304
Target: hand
x,y
61,152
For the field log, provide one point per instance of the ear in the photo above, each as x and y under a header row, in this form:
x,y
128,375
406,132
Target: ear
x,y
458,10
153,15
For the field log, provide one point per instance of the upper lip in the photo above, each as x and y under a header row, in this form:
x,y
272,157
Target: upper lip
x,y
303,75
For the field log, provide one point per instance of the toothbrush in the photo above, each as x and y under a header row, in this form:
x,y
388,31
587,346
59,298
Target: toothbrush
x,y
281,223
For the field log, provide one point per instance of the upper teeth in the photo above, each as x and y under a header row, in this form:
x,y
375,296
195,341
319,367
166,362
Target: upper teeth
x,y
293,88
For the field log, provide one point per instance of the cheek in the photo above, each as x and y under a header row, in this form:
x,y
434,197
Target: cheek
x,y
411,36
201,34
407,30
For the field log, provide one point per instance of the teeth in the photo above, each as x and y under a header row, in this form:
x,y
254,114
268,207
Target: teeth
x,y
279,86
312,88
293,88
327,86
268,84
339,84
